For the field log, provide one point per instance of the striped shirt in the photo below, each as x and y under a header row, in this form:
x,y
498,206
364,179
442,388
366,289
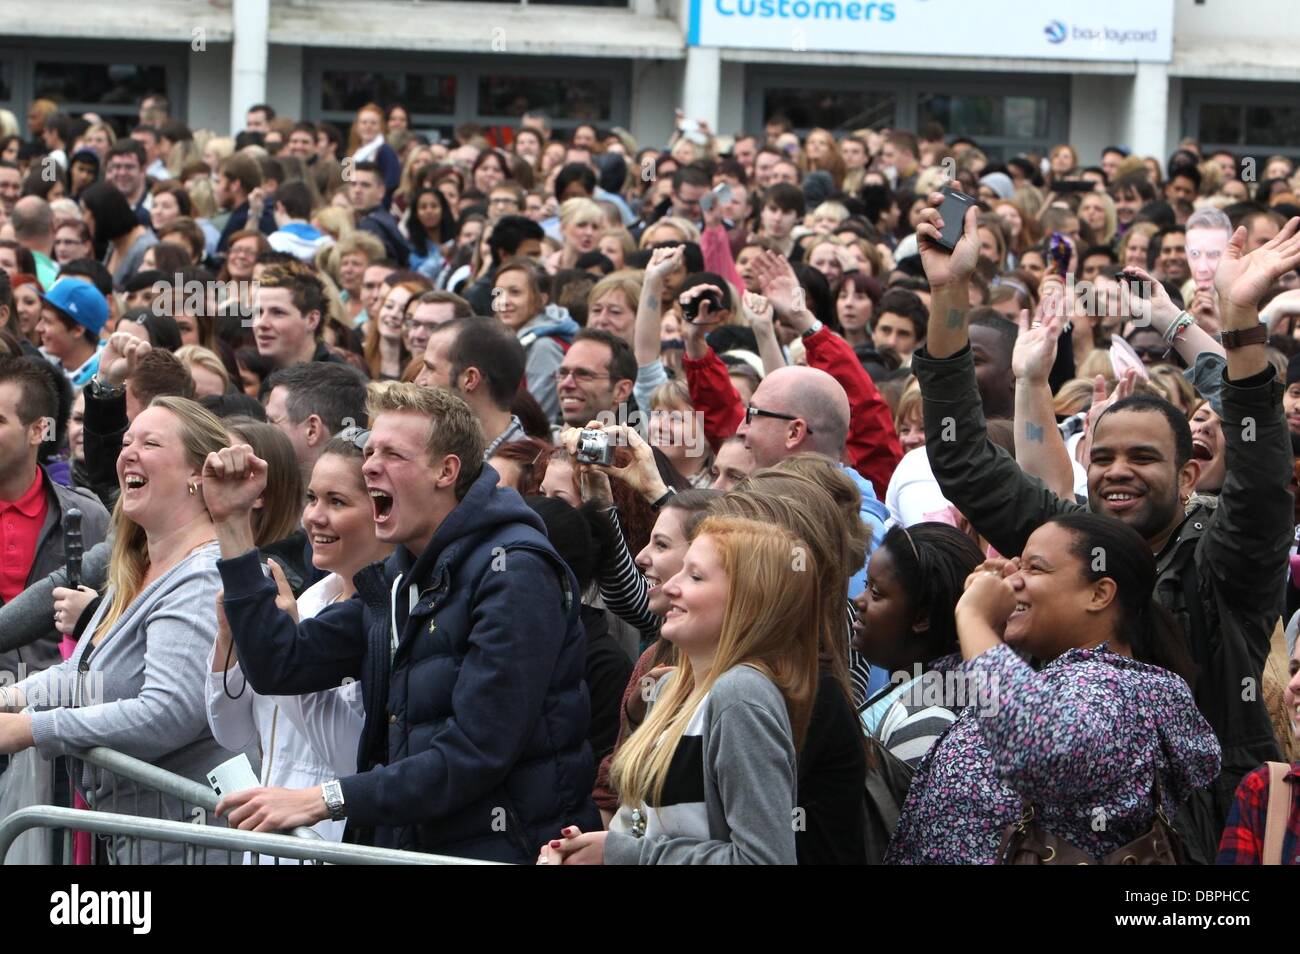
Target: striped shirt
x,y
907,718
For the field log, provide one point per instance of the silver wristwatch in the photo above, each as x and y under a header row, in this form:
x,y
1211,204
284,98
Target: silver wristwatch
x,y
812,329
332,792
100,388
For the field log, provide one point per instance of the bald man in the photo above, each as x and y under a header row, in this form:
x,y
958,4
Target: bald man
x,y
33,223
801,410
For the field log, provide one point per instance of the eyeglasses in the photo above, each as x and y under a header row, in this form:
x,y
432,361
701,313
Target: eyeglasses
x,y
1151,352
752,412
410,324
580,375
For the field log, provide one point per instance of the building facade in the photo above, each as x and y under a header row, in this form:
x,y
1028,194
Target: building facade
x,y
1011,74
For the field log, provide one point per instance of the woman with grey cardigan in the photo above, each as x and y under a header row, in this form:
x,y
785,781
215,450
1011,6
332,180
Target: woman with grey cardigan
x,y
709,776
135,681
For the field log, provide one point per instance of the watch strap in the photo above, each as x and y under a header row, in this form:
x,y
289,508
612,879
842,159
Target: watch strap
x,y
1248,336
812,329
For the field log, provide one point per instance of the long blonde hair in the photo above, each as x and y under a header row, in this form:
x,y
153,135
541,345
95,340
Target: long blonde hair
x,y
201,434
771,622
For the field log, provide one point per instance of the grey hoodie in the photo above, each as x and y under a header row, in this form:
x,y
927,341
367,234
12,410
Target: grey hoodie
x,y
749,783
140,691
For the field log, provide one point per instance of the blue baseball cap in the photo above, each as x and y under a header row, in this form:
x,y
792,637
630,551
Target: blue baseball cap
x,y
79,301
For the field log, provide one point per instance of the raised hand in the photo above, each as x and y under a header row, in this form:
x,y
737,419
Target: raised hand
x,y
1243,278
233,480
120,356
1159,309
706,315
664,262
780,286
759,313
988,598
1035,349
942,267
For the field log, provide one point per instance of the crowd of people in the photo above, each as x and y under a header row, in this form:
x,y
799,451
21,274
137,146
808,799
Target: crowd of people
x,y
579,501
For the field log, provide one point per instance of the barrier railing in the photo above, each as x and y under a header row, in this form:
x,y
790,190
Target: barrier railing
x,y
193,837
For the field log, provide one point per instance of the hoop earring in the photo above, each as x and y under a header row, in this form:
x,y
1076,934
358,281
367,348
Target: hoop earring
x,y
193,488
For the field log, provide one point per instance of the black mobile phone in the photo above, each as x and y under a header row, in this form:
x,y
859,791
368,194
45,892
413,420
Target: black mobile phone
x,y
953,213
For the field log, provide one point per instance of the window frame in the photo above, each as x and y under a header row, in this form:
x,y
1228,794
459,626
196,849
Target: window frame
x,y
908,87
1240,96
467,70
23,58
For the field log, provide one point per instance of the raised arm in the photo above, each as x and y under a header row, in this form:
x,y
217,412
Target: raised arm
x,y
1003,503
1040,450
707,378
276,653
949,277
758,312
649,310
1159,311
1248,540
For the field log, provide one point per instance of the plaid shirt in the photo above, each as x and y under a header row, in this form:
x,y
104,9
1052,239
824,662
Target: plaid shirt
x,y
1243,836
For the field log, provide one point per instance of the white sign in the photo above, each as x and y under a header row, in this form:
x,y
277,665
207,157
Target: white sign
x,y
1014,29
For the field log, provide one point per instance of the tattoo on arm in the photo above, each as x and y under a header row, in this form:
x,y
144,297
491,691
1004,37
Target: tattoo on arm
x,y
1034,432
956,317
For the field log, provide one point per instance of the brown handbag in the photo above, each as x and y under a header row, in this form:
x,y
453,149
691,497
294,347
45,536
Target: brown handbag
x,y
1026,842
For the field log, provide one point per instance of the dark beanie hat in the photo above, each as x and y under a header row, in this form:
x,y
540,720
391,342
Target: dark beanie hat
x,y
1293,370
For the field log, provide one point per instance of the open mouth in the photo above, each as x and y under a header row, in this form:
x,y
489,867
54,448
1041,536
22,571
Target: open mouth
x,y
1118,500
322,539
1201,450
383,504
134,481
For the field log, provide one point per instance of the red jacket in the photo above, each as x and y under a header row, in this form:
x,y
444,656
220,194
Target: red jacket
x,y
872,447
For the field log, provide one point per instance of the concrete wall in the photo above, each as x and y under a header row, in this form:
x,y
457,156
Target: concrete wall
x,y
284,80
208,82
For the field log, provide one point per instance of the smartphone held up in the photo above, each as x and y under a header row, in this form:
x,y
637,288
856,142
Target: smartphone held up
x,y
953,212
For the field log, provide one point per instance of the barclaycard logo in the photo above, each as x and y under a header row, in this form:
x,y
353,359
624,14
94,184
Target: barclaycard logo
x,y
1055,31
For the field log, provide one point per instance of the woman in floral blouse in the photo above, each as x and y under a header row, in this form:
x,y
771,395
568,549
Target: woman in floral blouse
x,y
1083,736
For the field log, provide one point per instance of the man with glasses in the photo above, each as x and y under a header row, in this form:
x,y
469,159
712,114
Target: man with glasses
x,y
690,184
427,313
506,198
124,168
595,379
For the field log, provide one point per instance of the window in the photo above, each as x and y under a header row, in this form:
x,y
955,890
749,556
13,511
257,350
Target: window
x,y
98,84
831,108
573,99
1001,117
487,91
349,90
995,112
1247,119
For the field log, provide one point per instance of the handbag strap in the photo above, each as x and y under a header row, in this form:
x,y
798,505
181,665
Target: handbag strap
x,y
1279,812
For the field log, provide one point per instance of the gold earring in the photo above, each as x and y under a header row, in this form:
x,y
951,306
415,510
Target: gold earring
x,y
193,488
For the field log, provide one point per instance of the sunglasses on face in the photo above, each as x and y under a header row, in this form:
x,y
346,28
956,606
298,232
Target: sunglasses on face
x,y
752,412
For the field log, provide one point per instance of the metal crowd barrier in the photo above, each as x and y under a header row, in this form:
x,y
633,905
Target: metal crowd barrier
x,y
154,795
176,812
193,837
